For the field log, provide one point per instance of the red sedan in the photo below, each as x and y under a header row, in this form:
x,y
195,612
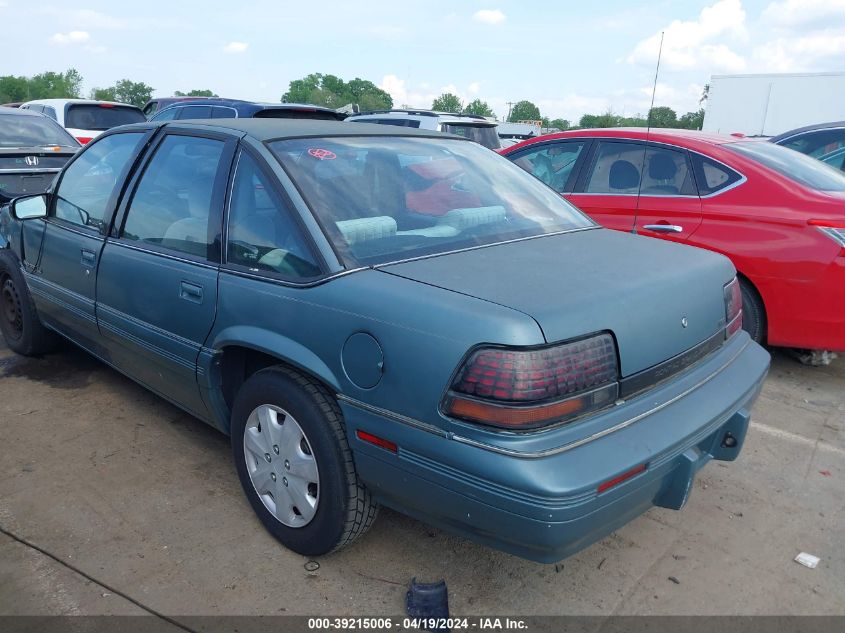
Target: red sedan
x,y
777,214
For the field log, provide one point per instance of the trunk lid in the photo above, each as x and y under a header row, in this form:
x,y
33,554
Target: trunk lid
x,y
658,298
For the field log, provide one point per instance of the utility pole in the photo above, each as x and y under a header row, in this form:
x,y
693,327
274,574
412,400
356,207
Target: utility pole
x,y
510,106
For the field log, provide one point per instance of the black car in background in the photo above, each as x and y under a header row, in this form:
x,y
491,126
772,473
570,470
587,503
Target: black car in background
x,y
211,108
33,149
824,141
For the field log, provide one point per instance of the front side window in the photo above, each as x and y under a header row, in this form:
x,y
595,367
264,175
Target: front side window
x,y
88,183
263,234
384,198
553,163
172,202
168,114
798,167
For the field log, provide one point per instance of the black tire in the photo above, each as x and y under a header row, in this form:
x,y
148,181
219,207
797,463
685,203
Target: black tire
x,y
753,312
345,509
19,321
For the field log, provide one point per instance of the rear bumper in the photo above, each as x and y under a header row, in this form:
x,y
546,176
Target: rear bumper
x,y
544,504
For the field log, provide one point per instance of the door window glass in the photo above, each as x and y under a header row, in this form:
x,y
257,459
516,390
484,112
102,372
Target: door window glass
x,y
87,186
167,114
667,173
818,143
553,164
616,168
172,202
263,234
195,112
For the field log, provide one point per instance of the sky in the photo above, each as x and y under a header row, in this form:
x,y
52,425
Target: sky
x,y
569,58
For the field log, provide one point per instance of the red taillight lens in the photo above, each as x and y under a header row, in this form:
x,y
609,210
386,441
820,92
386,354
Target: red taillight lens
x,y
529,388
84,139
733,308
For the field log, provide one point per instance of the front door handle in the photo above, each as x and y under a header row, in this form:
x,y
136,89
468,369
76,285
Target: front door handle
x,y
190,292
664,228
89,258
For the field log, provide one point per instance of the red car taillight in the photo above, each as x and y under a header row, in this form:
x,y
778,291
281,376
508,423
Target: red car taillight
x,y
733,308
527,388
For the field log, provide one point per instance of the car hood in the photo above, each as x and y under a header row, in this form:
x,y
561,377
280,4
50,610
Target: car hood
x,y
658,298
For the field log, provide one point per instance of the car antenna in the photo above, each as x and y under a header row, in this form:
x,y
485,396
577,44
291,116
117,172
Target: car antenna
x,y
647,133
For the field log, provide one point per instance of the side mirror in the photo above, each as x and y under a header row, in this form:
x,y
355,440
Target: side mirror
x,y
29,207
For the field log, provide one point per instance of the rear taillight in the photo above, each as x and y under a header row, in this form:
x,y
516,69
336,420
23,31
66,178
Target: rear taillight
x,y
733,308
834,230
84,139
528,388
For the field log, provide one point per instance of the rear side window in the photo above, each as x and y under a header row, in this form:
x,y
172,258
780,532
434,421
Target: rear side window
x,y
172,203
667,173
711,176
168,114
263,234
553,163
96,116
87,185
223,112
616,168
195,112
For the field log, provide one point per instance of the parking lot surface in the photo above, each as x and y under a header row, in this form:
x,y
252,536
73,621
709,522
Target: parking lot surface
x,y
114,502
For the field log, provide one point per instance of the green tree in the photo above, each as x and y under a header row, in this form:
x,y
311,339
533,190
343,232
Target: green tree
x,y
561,124
136,93
662,116
333,92
524,111
447,102
13,89
692,120
52,85
479,107
194,93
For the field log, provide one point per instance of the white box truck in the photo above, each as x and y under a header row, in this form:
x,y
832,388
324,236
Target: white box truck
x,y
766,105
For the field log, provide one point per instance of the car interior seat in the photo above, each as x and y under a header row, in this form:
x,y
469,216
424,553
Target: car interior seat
x,y
623,176
662,169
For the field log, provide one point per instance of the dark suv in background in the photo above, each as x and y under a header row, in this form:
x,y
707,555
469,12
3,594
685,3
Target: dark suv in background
x,y
235,108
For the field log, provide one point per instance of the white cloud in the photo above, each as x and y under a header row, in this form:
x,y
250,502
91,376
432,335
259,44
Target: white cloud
x,y
235,47
820,51
90,18
72,37
694,44
789,14
386,32
474,88
489,16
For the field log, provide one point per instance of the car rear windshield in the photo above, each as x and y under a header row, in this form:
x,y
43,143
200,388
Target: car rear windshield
x,y
484,134
382,199
794,165
96,116
32,131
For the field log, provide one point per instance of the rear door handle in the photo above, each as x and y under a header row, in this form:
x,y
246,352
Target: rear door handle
x,y
190,292
89,258
664,228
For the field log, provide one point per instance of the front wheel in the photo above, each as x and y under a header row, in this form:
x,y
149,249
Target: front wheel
x,y
19,321
295,464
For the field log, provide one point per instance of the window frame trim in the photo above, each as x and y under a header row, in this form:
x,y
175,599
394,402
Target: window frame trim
x,y
218,197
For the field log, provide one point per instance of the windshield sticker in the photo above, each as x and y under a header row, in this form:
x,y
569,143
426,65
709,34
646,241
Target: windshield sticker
x,y
322,154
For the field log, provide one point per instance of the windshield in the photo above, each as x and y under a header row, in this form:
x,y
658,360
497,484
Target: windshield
x,y
794,165
484,134
97,116
32,131
383,198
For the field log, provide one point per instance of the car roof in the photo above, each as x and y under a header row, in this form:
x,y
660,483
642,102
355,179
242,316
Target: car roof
x,y
59,102
686,138
279,129
212,101
476,119
807,128
18,112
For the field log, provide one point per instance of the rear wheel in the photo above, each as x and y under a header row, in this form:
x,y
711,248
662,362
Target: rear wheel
x,y
753,312
19,322
295,464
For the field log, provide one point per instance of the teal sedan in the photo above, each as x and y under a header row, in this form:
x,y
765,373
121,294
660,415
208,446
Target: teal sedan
x,y
385,316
